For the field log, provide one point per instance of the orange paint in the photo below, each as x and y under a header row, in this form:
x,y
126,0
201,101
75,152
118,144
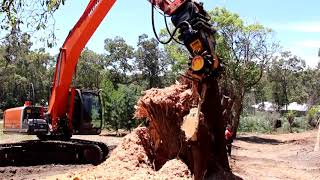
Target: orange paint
x,y
12,118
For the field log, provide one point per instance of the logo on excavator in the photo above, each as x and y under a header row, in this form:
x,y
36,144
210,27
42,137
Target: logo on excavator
x,y
94,7
196,46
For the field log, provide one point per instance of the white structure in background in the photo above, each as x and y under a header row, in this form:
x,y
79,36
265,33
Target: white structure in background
x,y
265,106
296,107
270,107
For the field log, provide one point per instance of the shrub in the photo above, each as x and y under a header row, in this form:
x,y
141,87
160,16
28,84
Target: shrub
x,y
263,122
256,123
313,115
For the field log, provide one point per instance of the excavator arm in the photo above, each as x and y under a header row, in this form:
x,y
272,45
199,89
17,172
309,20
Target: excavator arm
x,y
69,55
188,17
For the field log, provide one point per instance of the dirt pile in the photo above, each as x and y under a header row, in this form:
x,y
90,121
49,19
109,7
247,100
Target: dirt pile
x,y
132,159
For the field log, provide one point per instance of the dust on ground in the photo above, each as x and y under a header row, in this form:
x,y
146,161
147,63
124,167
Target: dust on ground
x,y
255,156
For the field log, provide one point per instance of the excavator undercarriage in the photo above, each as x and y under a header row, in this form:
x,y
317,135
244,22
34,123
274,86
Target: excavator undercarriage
x,y
37,152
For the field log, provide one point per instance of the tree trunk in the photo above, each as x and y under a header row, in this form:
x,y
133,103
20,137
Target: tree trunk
x,y
238,107
168,112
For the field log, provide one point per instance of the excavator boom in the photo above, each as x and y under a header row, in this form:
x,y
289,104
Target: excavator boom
x,y
69,55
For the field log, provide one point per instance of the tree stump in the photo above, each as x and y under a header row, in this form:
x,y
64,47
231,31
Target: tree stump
x,y
179,130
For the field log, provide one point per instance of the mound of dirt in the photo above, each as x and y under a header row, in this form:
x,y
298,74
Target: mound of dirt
x,y
132,159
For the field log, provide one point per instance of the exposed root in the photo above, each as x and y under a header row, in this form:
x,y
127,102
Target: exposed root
x,y
180,130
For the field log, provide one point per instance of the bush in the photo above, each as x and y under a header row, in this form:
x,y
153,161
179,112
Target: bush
x,y
119,105
313,115
263,122
300,124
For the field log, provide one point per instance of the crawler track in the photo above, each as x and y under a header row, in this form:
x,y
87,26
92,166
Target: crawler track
x,y
36,152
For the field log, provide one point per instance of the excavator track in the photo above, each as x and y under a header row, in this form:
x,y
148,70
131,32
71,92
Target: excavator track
x,y
37,152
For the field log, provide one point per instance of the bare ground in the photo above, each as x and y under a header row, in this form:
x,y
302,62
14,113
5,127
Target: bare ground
x,y
281,156
255,156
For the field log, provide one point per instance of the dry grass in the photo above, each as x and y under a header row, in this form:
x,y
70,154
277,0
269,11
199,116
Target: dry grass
x,y
119,133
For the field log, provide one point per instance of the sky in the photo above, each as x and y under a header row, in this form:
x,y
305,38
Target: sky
x,y
296,23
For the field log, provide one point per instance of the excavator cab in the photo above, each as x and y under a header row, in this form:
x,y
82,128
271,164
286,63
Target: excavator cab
x,y
87,115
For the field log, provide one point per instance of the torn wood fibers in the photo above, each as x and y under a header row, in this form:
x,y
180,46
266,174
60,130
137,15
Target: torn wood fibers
x,y
183,126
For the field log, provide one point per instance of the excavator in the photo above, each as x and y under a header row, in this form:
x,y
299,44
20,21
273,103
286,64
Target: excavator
x,y
77,111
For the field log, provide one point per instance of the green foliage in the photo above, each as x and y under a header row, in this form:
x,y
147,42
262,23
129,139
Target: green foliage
x,y
291,114
118,60
32,15
309,86
19,66
313,111
245,50
150,61
259,122
119,105
176,54
177,58
313,115
300,124
89,70
284,75
263,122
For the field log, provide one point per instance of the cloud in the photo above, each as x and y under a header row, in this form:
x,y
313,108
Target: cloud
x,y
301,38
307,27
311,61
306,49
309,43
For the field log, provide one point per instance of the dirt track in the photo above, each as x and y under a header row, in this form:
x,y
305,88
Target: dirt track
x,y
287,156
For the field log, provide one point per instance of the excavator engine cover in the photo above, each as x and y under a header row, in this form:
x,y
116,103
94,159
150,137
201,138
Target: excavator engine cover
x,y
26,119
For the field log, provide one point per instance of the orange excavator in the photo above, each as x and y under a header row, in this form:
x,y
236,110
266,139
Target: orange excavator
x,y
75,111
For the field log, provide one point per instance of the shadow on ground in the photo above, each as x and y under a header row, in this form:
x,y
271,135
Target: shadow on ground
x,y
223,176
259,140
